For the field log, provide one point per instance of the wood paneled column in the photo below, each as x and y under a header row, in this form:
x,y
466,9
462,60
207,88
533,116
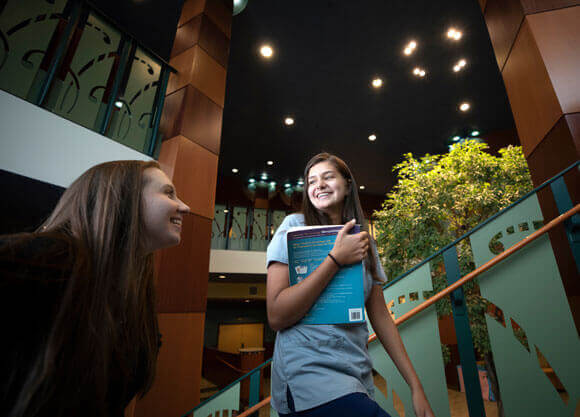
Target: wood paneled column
x,y
191,126
537,48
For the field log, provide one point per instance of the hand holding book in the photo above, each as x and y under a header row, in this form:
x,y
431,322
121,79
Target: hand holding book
x,y
350,248
342,301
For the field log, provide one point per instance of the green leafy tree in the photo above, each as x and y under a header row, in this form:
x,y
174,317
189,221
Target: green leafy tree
x,y
436,200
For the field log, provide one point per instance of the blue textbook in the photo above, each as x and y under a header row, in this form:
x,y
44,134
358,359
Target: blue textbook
x,y
342,302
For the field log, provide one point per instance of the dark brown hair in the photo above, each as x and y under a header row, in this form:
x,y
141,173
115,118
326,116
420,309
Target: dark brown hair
x,y
106,319
351,208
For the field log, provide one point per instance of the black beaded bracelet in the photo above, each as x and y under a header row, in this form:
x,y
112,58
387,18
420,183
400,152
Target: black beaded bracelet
x,y
335,261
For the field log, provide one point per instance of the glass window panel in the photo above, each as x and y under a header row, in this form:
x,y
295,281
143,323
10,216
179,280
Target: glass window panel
x,y
26,28
132,123
78,95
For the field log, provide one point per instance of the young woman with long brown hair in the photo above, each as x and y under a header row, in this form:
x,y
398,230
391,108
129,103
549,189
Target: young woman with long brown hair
x,y
77,304
325,370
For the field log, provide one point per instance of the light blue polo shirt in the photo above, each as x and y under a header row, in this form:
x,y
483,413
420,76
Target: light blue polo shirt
x,y
319,363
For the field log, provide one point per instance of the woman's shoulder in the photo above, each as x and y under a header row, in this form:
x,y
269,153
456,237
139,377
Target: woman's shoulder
x,y
37,255
293,220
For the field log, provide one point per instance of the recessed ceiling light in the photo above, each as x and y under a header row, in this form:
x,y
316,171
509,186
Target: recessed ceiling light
x,y
270,162
464,106
235,170
419,72
221,276
247,301
456,138
410,48
272,183
288,121
362,187
372,137
226,211
377,83
459,65
454,34
264,176
266,51
300,182
251,180
287,185
475,133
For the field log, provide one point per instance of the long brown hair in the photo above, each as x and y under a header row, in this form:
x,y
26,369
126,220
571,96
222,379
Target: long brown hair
x,y
106,320
350,209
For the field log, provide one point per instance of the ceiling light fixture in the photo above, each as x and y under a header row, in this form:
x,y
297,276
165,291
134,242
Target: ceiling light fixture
x,y
464,106
235,170
118,104
270,162
362,187
266,51
226,211
377,83
454,34
300,182
475,133
419,72
221,276
456,138
288,121
372,137
251,180
410,48
264,176
459,65
287,185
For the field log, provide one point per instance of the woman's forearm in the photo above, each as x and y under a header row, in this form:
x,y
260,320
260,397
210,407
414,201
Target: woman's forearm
x,y
289,304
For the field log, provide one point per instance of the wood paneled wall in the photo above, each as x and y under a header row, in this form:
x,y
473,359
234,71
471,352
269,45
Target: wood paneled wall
x,y
191,126
537,48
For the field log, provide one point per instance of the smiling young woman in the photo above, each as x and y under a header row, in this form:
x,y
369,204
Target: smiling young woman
x,y
325,370
77,299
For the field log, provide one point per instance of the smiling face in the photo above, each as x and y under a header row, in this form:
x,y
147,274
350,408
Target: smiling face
x,y
162,211
327,189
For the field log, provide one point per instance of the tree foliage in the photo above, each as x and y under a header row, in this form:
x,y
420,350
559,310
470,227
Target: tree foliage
x,y
437,199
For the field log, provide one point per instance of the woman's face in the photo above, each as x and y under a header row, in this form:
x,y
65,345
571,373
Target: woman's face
x,y
327,189
162,211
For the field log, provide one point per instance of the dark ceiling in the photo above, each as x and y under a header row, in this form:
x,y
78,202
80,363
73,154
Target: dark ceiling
x,y
325,55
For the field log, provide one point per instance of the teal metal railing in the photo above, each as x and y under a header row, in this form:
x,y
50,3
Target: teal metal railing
x,y
230,399
523,302
246,228
69,58
524,317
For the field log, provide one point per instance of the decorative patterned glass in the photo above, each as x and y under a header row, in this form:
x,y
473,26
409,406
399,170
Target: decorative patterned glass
x,y
26,30
132,121
81,90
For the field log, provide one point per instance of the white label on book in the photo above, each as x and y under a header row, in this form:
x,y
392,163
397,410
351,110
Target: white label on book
x,y
301,269
355,314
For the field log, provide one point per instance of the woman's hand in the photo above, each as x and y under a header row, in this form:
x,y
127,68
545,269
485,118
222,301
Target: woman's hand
x,y
349,249
421,404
